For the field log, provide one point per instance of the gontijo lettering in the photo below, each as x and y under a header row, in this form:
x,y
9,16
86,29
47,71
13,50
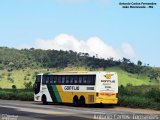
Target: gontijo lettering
x,y
71,87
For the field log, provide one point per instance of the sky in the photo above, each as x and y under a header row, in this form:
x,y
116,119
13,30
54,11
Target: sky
x,y
99,27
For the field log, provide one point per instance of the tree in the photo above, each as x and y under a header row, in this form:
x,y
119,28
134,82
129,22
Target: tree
x,y
28,85
1,66
125,60
14,88
139,67
153,75
139,63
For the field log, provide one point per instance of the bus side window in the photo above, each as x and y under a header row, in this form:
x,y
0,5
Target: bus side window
x,y
89,77
67,79
54,79
71,80
84,80
80,79
59,79
44,79
63,80
51,79
75,80
93,80
47,79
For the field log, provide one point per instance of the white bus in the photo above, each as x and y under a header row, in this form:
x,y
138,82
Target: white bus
x,y
77,88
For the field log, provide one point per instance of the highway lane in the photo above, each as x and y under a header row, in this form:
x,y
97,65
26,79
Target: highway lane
x,y
36,111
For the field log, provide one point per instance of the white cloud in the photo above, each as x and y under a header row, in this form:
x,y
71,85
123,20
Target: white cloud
x,y
93,46
128,50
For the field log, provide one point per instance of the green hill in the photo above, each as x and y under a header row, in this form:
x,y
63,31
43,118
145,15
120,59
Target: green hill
x,y
20,66
134,79
19,77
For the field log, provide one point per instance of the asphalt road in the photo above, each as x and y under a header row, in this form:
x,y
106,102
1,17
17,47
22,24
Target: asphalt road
x,y
20,110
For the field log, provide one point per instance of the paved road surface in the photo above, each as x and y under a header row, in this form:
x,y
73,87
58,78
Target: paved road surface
x,y
20,110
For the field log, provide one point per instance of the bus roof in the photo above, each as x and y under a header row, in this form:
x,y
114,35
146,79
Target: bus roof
x,y
78,73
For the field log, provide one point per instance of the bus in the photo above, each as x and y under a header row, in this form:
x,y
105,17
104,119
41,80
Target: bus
x,y
78,88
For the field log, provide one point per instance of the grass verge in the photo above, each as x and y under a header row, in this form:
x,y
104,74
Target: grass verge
x,y
14,94
140,97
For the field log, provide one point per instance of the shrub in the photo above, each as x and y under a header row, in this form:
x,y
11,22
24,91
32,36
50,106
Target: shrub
x,y
139,96
7,95
125,91
25,96
20,95
9,74
14,88
10,79
1,67
35,73
154,93
134,101
28,74
25,77
129,84
28,85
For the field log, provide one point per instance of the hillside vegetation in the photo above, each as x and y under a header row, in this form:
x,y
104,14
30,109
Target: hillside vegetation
x,y
144,96
19,67
126,78
139,85
20,77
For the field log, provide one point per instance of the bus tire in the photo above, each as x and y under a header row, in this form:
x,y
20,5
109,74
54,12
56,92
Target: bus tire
x,y
82,101
44,99
75,101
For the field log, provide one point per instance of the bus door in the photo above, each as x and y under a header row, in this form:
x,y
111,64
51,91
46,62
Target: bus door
x,y
37,84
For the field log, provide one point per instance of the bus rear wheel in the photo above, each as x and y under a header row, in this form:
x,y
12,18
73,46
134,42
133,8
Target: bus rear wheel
x,y
75,101
82,101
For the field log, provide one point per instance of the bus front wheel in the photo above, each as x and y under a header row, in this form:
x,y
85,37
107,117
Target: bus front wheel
x,y
44,100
